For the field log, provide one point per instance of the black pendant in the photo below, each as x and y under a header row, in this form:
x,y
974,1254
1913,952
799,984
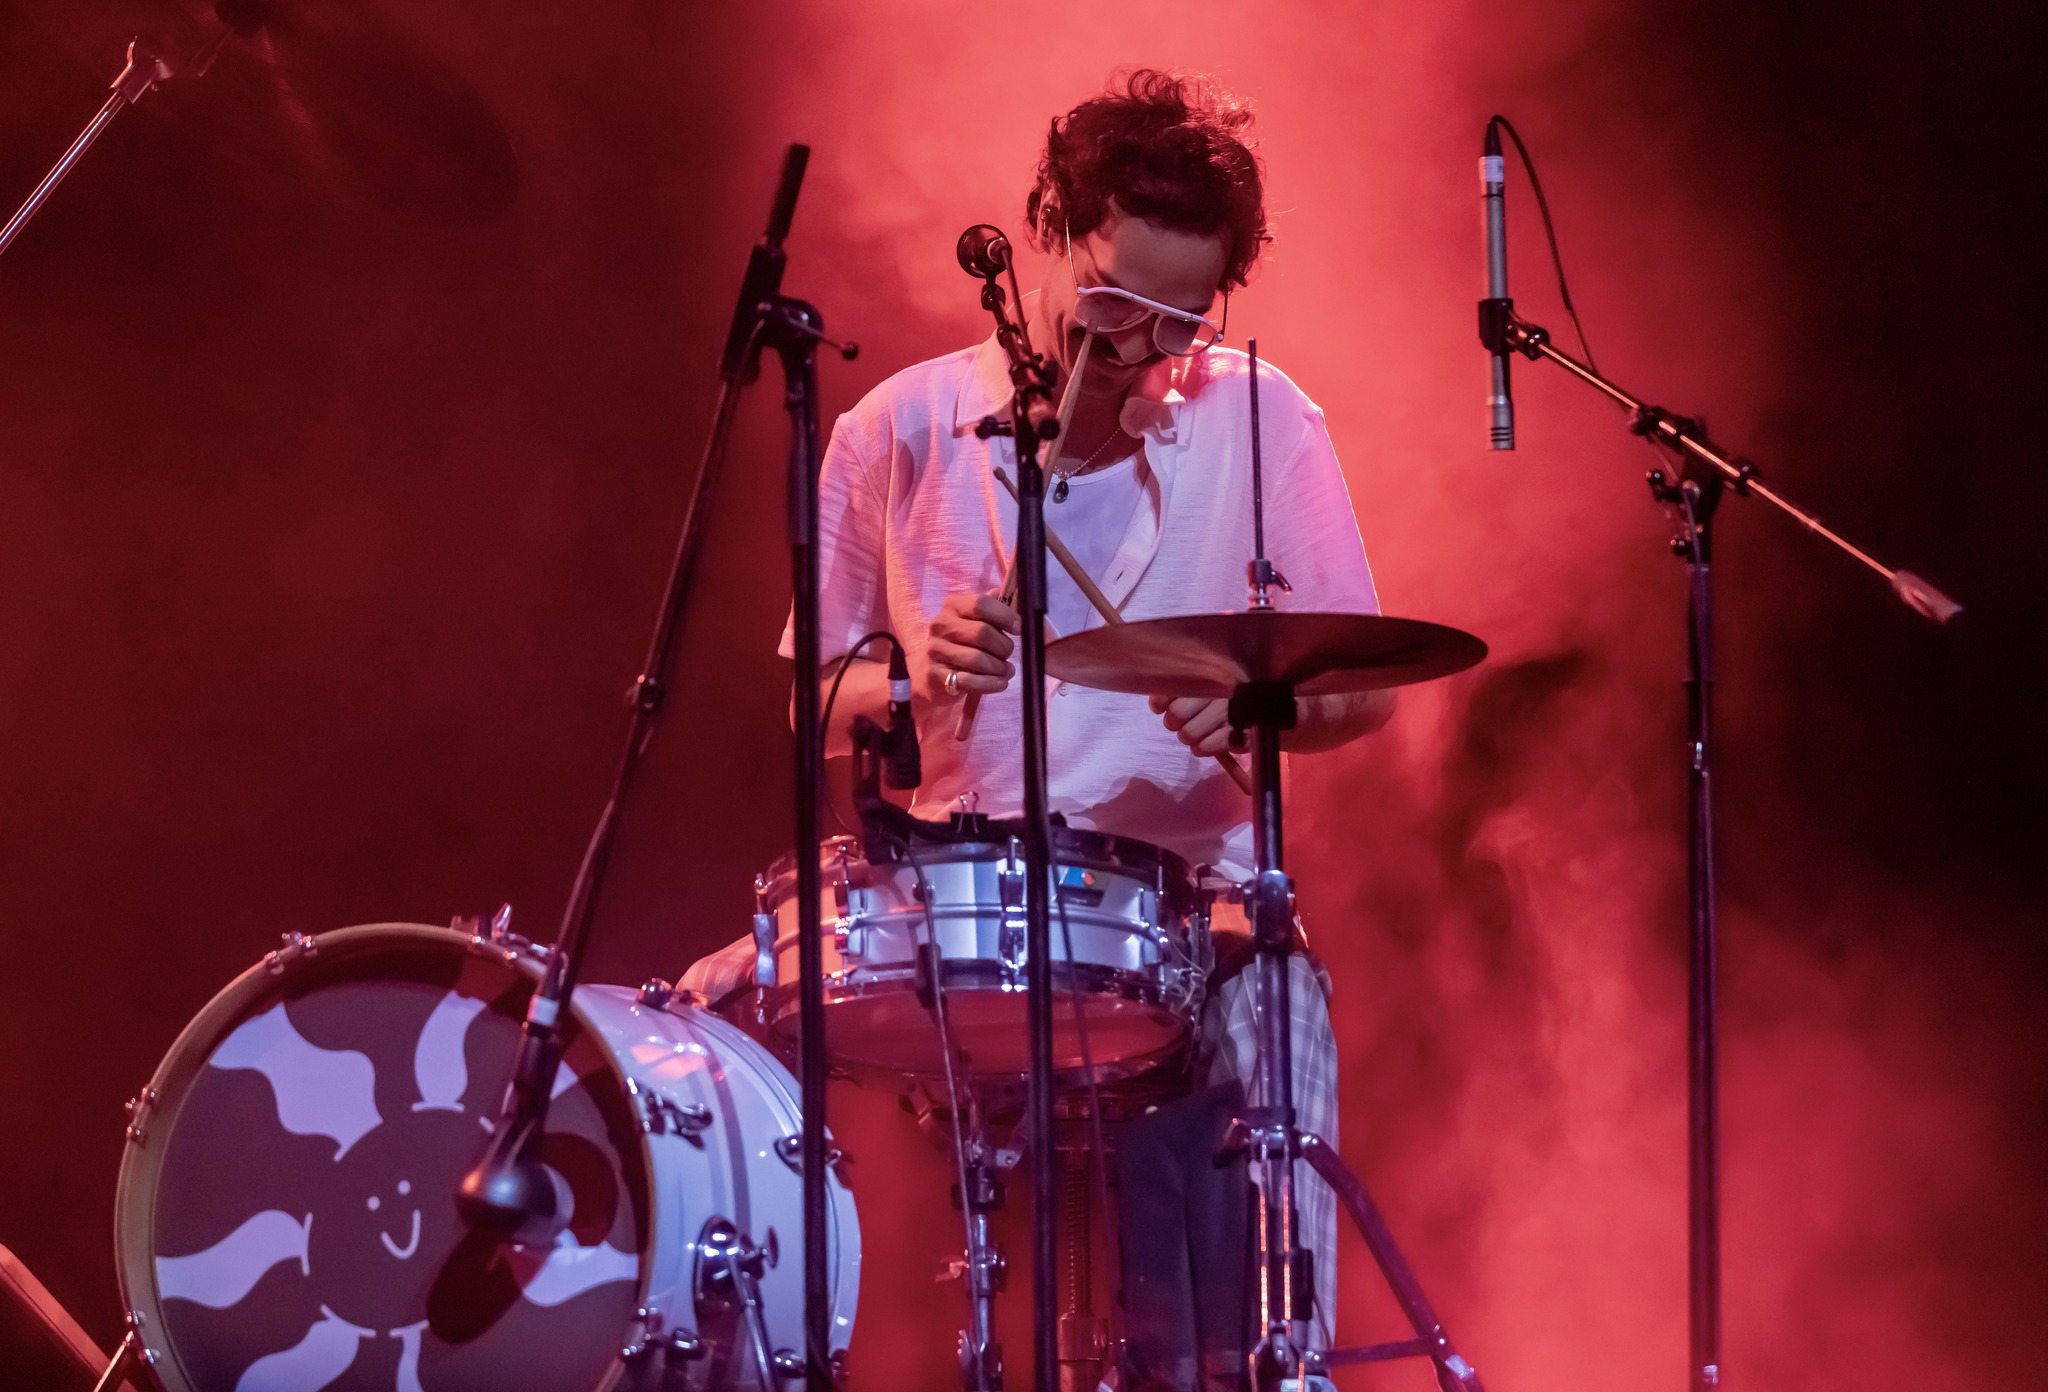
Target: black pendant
x,y
1059,489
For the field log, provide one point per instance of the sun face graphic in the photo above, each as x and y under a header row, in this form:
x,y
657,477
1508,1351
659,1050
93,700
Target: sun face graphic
x,y
304,1234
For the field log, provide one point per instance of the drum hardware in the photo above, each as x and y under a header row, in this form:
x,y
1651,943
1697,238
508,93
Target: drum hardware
x,y
789,1149
727,1281
655,993
677,1345
136,1107
127,1354
294,946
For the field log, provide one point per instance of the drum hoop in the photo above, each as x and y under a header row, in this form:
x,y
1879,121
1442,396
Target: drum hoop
x,y
1072,846
135,1188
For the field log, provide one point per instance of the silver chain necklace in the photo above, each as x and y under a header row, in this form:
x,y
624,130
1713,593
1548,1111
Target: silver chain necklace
x,y
1060,476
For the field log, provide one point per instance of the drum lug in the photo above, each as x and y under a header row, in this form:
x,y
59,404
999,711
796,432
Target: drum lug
x,y
138,1105
663,1116
655,993
677,1345
764,948
791,1150
849,937
1010,939
293,947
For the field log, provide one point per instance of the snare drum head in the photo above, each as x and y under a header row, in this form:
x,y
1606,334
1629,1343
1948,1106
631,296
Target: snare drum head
x,y
287,1221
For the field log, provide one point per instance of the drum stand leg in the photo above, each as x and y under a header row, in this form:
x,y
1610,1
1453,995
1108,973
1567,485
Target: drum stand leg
x,y
982,1268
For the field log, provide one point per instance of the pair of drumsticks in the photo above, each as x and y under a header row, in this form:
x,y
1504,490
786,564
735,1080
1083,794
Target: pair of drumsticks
x,y
1076,573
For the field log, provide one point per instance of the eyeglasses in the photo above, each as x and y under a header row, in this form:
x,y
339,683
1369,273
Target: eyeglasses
x,y
1106,309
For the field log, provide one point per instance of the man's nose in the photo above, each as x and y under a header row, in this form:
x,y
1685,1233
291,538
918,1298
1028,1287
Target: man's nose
x,y
1133,344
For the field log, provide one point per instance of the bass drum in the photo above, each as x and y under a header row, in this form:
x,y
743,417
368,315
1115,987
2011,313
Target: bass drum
x,y
286,1218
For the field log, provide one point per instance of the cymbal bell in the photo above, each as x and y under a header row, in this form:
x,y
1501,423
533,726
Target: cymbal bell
x,y
1215,654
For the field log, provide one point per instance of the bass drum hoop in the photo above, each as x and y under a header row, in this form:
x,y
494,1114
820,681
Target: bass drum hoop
x,y
135,1189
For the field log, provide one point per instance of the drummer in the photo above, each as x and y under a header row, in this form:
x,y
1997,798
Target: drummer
x,y
1148,208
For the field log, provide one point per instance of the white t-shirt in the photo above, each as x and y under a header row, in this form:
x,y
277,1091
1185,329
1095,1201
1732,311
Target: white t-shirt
x,y
911,513
1091,524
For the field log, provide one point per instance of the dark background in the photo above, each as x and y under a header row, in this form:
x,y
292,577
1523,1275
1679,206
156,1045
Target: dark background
x,y
334,506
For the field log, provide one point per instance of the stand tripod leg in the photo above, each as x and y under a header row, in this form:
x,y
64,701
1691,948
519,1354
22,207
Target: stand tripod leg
x,y
1453,1373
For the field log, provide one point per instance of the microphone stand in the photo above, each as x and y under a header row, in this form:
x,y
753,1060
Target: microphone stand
x,y
510,1191
1033,420
147,66
1705,473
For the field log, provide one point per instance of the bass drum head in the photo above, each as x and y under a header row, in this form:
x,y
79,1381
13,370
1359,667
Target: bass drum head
x,y
286,1218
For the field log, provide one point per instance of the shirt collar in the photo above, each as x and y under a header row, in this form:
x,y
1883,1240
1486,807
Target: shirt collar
x,y
1151,410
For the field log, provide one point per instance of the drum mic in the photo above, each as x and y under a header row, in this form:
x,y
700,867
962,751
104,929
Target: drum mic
x,y
1496,309
902,760
983,251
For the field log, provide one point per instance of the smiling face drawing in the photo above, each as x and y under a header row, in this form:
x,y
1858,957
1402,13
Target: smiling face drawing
x,y
309,1191
412,1242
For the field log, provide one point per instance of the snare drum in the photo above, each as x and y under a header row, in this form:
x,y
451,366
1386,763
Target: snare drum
x,y
1136,965
286,1216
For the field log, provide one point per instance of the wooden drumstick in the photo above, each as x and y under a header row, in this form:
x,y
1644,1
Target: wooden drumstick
x,y
1068,399
1110,616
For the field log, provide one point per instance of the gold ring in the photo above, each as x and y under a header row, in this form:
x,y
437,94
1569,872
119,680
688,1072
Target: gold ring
x,y
952,683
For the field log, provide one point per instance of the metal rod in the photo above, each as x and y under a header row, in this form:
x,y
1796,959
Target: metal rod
x,y
1421,1316
1703,1177
1258,462
802,401
1669,431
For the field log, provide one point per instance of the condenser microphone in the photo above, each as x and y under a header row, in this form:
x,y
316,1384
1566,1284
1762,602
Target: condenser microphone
x,y
983,251
902,760
1496,308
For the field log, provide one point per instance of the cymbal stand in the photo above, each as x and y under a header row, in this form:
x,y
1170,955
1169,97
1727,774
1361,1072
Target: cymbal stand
x,y
1706,471
1267,1131
147,66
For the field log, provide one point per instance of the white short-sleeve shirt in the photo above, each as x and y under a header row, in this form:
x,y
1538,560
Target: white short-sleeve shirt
x,y
911,513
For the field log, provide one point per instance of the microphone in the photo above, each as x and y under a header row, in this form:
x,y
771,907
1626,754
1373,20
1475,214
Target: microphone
x,y
902,760
763,280
1495,309
983,251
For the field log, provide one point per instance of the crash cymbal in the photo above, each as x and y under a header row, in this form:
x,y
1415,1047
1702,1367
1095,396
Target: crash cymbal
x,y
1214,654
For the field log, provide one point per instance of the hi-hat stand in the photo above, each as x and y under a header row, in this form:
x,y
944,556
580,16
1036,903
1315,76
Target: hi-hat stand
x,y
1705,473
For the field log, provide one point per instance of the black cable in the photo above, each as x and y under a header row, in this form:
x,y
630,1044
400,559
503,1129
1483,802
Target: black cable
x,y
1549,232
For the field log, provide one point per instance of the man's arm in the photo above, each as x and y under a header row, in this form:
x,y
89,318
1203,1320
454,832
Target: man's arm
x,y
1326,722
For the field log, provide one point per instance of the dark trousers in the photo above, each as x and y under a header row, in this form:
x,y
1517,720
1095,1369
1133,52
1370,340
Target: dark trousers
x,y
1185,1233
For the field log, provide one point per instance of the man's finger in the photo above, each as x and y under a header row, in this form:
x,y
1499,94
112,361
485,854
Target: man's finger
x,y
961,658
991,610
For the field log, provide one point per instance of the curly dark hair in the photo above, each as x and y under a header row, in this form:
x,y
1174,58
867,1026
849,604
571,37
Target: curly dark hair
x,y
1165,147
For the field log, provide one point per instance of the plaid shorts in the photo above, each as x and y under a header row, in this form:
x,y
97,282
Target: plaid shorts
x,y
1227,1051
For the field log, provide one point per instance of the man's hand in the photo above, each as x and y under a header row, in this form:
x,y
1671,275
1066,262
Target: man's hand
x,y
1202,723
971,637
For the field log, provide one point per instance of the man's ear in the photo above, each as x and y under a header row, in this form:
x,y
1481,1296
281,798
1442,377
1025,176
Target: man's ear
x,y
1045,232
